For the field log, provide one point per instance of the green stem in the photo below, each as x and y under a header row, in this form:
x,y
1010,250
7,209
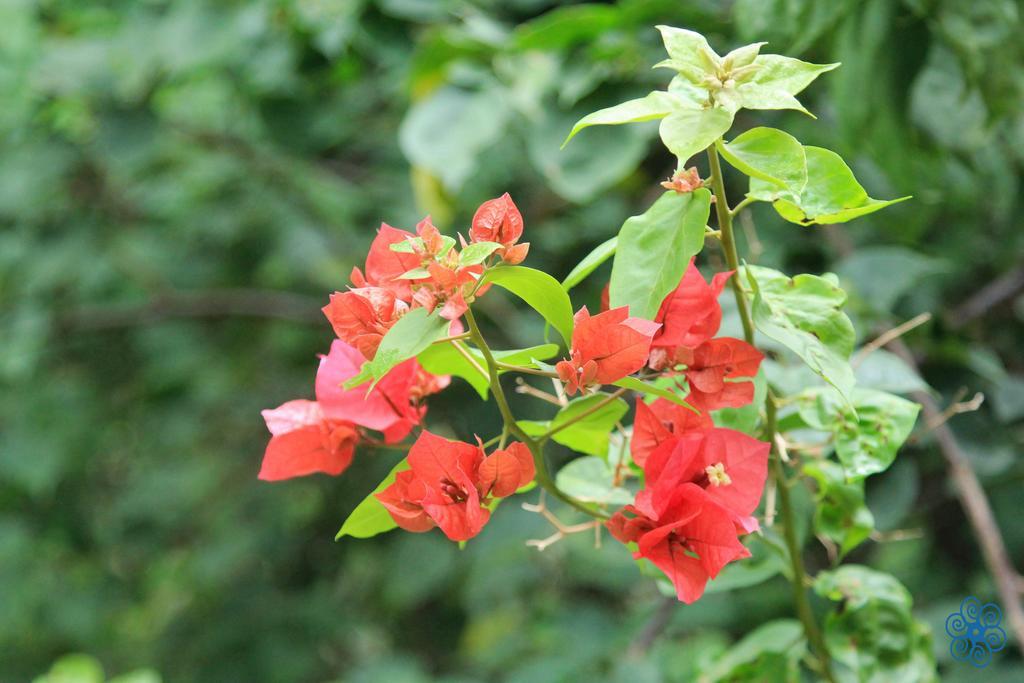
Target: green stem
x,y
536,449
527,371
729,241
799,578
586,413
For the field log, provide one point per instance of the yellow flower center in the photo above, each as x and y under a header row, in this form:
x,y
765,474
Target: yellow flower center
x,y
717,475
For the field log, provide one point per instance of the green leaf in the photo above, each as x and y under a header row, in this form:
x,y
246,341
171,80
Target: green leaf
x,y
771,652
590,263
872,631
445,359
410,336
540,291
414,274
689,53
776,82
764,563
868,430
448,131
589,434
840,513
770,155
886,371
804,314
477,253
867,443
589,479
643,387
655,105
831,195
74,668
882,275
688,131
370,518
654,250
407,246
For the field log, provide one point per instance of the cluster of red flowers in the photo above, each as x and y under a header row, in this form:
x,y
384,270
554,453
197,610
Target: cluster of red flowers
x,y
451,485
701,483
403,271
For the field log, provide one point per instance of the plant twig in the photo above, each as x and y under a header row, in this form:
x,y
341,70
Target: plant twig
x,y
975,504
523,388
887,336
561,529
654,628
464,352
513,428
586,413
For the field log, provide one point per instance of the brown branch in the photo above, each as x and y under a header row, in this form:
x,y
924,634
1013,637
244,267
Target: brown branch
x,y
975,505
207,303
888,336
991,295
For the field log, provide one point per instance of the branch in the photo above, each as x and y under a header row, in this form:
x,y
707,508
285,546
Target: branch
x,y
975,504
994,293
207,303
888,336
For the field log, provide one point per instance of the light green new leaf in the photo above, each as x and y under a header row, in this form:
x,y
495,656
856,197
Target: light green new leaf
x,y
831,195
655,105
688,131
689,53
804,314
370,518
588,435
840,513
770,155
445,359
654,250
590,263
776,82
540,291
410,336
477,253
589,479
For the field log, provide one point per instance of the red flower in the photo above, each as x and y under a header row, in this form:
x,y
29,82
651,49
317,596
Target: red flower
x,y
683,532
605,348
713,364
499,220
450,483
447,288
384,266
729,465
362,316
690,315
392,407
303,441
659,422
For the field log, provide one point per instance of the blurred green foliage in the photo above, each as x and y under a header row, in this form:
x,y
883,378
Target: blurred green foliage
x,y
170,170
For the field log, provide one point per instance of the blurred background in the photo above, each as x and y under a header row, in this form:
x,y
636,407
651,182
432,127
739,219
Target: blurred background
x,y
183,183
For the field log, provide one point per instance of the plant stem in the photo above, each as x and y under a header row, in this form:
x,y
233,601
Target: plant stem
x,y
729,241
511,427
586,413
526,371
799,578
